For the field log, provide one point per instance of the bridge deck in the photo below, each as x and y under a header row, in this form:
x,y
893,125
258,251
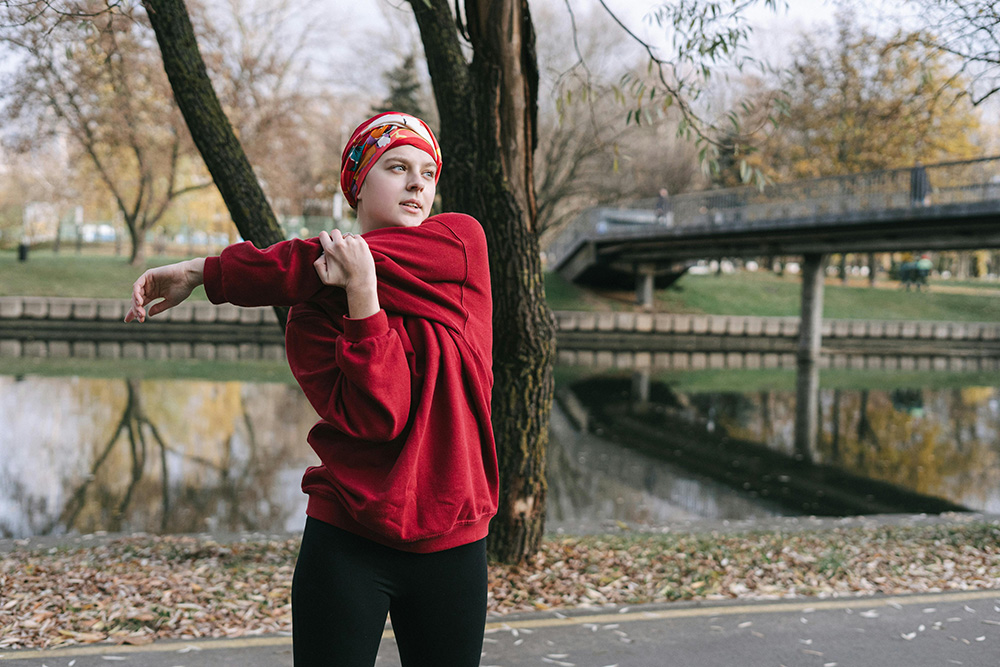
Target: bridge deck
x,y
871,212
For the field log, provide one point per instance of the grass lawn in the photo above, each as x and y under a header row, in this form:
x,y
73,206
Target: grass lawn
x,y
766,294
68,274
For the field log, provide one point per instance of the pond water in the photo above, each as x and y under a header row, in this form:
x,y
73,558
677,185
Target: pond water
x,y
83,454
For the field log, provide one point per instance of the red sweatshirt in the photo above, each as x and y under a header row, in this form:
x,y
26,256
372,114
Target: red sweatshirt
x,y
405,439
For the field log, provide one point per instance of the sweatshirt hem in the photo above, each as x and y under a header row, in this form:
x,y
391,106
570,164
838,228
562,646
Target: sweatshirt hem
x,y
330,512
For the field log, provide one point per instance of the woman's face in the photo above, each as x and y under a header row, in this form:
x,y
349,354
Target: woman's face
x,y
398,190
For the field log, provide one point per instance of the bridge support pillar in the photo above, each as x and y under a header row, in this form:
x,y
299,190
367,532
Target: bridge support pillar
x,y
640,390
807,358
644,279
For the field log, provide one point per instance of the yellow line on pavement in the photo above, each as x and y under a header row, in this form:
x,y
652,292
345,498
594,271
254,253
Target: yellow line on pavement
x,y
168,646
732,610
530,623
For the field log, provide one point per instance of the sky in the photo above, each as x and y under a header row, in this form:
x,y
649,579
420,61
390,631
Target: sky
x,y
353,61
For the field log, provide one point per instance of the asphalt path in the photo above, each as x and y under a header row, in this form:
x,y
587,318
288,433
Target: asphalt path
x,y
925,630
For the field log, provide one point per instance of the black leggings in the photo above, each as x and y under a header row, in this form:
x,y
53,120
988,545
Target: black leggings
x,y
344,585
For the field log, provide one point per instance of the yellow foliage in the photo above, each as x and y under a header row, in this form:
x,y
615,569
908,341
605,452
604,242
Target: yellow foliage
x,y
866,103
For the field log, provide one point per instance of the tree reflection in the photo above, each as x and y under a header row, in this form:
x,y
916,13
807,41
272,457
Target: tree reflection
x,y
896,439
202,468
130,425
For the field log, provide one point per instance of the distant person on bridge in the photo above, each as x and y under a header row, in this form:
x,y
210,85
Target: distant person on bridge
x,y
664,209
920,186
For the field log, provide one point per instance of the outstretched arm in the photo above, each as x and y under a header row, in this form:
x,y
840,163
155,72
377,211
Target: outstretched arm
x,y
172,283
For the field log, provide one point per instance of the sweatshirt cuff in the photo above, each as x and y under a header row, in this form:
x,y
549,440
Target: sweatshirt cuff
x,y
356,330
212,278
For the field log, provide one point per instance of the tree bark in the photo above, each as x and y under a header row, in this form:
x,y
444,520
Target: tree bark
x,y
209,126
488,111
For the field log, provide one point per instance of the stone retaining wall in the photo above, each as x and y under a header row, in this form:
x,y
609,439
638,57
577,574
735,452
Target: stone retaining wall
x,y
901,361
93,328
785,327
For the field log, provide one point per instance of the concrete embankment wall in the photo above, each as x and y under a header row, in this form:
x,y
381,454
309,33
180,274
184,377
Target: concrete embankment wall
x,y
669,341
93,328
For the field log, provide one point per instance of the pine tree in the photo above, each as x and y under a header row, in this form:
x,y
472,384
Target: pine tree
x,y
404,87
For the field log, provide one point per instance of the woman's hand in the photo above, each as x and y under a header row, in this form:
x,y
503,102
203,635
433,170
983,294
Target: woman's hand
x,y
173,283
347,262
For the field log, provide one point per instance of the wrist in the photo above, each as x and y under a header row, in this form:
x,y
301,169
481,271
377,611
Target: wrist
x,y
362,299
194,271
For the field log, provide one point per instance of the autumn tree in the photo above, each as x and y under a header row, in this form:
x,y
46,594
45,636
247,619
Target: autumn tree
x,y
95,75
35,174
863,102
587,154
256,55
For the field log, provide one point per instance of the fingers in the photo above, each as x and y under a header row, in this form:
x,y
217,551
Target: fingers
x,y
160,307
136,311
321,269
341,255
329,241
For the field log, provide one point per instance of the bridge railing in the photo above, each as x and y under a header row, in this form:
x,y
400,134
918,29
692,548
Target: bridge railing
x,y
964,181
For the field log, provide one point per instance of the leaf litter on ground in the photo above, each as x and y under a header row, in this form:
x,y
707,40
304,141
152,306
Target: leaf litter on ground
x,y
135,590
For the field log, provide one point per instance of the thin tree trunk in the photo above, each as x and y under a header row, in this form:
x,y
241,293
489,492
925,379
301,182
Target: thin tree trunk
x,y
835,447
209,126
504,69
138,238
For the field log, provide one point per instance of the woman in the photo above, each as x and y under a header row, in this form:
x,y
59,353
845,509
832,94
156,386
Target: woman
x,y
390,337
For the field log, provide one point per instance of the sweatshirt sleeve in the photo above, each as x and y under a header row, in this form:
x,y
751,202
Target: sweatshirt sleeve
x,y
358,381
279,275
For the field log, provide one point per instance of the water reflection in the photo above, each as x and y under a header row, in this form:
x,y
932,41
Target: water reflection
x,y
84,455
594,483
159,456
934,443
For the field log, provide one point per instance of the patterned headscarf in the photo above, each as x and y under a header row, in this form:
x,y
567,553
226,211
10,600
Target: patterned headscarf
x,y
373,138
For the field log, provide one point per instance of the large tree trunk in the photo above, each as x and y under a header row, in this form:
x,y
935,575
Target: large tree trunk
x,y
488,112
209,126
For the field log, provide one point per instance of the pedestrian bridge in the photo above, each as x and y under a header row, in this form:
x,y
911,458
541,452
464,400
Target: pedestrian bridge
x,y
946,206
951,205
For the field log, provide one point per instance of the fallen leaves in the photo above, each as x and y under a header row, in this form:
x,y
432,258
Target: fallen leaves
x,y
765,565
140,589
137,590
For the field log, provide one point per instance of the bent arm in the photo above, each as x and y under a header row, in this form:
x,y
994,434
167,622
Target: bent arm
x,y
358,381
